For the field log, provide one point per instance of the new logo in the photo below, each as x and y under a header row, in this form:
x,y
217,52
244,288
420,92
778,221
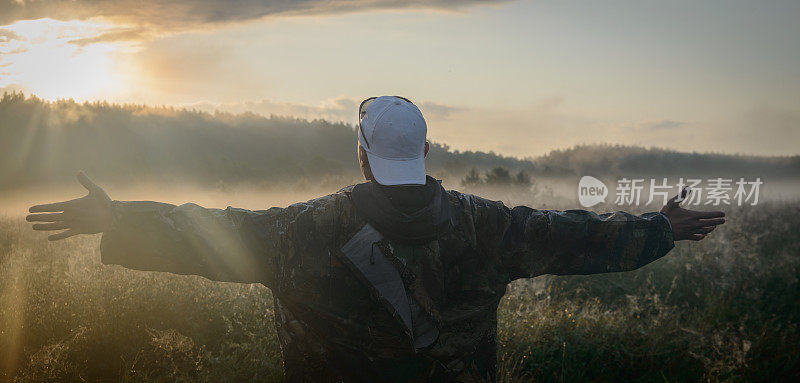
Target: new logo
x,y
591,191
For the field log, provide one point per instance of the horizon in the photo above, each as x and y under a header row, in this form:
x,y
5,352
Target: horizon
x,y
352,125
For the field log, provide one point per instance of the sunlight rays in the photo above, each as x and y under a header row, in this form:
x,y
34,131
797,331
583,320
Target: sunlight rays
x,y
44,56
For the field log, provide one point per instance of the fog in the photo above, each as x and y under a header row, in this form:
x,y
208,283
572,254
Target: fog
x,y
256,162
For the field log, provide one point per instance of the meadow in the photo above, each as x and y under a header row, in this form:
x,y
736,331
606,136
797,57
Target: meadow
x,y
724,309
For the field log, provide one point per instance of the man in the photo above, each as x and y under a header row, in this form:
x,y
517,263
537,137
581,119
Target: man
x,y
394,279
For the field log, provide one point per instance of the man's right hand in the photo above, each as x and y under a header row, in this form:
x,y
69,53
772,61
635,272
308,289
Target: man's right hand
x,y
89,214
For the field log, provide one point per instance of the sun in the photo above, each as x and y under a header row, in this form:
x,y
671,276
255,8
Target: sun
x,y
43,57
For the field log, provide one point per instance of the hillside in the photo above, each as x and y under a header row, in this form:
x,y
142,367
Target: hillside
x,y
42,142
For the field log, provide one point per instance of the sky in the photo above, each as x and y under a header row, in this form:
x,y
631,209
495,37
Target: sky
x,y
519,78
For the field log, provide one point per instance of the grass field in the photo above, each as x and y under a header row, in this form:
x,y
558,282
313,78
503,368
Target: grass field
x,y
725,309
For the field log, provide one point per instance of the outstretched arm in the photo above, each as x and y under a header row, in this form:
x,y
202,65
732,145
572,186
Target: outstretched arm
x,y
582,242
536,242
225,245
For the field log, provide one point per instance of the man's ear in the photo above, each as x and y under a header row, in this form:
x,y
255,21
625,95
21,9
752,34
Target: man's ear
x,y
427,146
362,156
363,162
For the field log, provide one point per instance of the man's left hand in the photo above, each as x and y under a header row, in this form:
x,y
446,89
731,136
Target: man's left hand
x,y
690,224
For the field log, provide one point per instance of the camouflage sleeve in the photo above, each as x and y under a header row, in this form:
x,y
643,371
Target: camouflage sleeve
x,y
223,245
568,242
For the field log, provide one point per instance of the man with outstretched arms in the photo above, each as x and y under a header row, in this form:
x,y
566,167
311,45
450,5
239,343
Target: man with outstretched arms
x,y
394,279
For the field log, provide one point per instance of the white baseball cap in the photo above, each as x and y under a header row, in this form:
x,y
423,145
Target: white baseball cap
x,y
393,132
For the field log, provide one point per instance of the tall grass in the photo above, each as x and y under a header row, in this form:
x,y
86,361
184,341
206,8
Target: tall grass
x,y
725,309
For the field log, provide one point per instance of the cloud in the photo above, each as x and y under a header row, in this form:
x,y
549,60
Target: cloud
x,y
659,125
118,35
439,111
7,35
190,14
16,51
9,46
336,109
666,124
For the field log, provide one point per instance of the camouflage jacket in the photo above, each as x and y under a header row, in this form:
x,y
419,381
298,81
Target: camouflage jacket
x,y
336,324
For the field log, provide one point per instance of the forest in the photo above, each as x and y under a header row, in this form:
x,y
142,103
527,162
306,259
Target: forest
x,y
44,142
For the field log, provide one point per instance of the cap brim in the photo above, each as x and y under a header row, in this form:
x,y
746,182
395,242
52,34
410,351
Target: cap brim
x,y
397,172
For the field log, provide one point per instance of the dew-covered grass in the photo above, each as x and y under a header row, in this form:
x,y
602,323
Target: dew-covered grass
x,y
724,309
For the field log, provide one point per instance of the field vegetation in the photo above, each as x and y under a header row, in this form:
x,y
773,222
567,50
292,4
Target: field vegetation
x,y
724,309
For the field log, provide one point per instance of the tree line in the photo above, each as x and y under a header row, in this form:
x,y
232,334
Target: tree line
x,y
43,141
